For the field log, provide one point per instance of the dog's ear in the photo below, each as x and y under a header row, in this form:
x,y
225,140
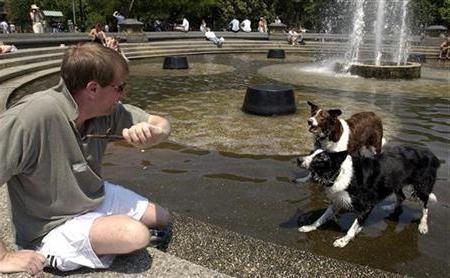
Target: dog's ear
x,y
335,112
314,107
338,157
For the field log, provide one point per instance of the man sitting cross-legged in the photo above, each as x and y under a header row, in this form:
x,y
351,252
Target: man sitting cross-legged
x,y
66,216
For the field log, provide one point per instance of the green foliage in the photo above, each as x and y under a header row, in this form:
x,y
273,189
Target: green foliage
x,y
18,13
444,12
315,15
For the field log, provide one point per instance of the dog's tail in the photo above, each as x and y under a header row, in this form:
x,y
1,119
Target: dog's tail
x,y
432,198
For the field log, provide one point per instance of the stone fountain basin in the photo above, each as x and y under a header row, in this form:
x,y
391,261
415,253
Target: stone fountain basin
x,y
387,70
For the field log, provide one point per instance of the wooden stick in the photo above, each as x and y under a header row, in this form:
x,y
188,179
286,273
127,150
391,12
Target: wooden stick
x,y
105,136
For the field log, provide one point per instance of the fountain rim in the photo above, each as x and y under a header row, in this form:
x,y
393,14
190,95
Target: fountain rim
x,y
407,65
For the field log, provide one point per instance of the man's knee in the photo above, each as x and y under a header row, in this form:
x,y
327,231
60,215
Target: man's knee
x,y
118,234
136,235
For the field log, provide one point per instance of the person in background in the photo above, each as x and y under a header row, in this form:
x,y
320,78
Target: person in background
x,y
4,26
277,20
12,28
233,26
97,35
246,25
262,25
51,146
210,35
184,27
120,19
292,37
444,49
203,26
6,48
157,26
113,43
37,19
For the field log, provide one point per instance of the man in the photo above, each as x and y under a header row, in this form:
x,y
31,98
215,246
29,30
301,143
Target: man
x,y
119,18
184,27
233,26
444,48
246,25
37,19
292,37
210,35
4,27
66,216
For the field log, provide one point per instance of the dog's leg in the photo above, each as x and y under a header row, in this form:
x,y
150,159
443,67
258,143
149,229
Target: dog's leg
x,y
328,214
424,196
353,231
423,226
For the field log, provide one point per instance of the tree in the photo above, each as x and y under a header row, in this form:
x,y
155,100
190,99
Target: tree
x,y
444,13
18,13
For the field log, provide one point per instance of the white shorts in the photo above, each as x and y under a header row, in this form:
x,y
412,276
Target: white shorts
x,y
67,247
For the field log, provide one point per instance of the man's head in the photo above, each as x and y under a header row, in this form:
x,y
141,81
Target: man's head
x,y
95,76
90,62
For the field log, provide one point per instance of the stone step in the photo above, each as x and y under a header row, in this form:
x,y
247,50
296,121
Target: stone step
x,y
7,88
9,73
25,61
28,59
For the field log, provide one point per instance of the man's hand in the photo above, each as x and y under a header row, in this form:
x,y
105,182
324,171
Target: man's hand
x,y
143,134
22,261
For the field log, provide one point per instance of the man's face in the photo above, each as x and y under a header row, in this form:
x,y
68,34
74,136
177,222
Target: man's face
x,y
111,94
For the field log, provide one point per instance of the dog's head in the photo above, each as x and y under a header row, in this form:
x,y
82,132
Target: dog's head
x,y
323,165
321,121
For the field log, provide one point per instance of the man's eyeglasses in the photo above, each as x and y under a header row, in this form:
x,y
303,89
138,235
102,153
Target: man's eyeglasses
x,y
119,88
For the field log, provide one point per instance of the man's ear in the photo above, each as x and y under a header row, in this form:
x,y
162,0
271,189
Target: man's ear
x,y
92,87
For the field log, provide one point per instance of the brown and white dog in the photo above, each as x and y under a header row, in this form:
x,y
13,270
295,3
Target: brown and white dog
x,y
361,130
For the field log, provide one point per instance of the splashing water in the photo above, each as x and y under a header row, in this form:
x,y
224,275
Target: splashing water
x,y
390,31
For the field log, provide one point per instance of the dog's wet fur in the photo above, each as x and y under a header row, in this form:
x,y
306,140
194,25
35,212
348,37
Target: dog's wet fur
x,y
358,183
362,130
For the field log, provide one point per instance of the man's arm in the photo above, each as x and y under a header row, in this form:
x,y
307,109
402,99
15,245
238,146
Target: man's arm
x,y
20,261
149,133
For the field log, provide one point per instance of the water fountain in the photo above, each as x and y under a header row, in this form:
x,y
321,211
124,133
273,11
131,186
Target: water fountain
x,y
390,41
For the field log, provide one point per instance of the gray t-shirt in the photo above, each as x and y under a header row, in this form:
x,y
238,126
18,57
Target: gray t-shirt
x,y
53,173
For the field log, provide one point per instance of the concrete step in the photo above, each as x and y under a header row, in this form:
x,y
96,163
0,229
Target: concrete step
x,y
28,59
9,73
7,88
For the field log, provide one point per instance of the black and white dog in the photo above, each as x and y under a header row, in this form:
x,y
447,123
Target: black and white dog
x,y
358,183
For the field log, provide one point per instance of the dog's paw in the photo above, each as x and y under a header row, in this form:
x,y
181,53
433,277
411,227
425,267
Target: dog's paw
x,y
306,229
341,242
423,228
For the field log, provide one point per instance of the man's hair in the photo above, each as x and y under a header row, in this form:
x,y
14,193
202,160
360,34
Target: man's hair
x,y
90,62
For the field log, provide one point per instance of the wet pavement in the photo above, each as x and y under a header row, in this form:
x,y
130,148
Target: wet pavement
x,y
233,170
